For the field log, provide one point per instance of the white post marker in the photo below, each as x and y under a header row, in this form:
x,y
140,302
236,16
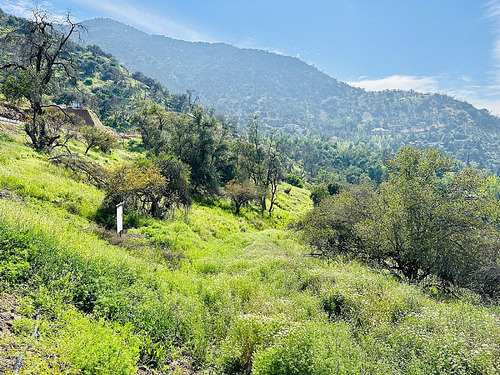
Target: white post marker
x,y
119,218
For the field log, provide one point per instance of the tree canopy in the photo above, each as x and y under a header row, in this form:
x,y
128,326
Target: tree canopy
x,y
426,220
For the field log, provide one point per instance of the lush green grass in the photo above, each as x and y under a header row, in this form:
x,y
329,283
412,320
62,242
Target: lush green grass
x,y
241,295
73,344
29,175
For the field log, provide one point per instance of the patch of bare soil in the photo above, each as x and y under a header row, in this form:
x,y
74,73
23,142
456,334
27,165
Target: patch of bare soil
x,y
8,307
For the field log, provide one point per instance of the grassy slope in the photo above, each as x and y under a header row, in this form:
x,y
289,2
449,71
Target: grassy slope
x,y
208,292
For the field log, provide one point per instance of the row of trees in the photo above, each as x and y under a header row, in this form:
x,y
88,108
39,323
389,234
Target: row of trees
x,y
425,221
215,155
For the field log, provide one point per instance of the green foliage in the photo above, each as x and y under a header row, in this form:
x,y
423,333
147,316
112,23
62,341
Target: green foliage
x,y
348,162
14,265
320,192
98,81
154,186
211,292
94,137
97,347
260,160
238,301
30,176
311,349
241,194
76,344
412,225
294,180
198,139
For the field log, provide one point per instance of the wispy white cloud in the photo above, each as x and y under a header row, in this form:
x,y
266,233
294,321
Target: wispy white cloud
x,y
22,8
461,88
478,96
155,23
25,8
482,95
492,105
275,51
398,82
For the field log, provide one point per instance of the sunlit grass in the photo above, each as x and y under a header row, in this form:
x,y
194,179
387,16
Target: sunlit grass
x,y
30,175
244,295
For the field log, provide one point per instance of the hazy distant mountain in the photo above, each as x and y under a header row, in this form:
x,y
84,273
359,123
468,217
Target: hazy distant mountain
x,y
289,93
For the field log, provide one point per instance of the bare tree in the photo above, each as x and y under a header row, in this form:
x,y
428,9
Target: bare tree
x,y
42,56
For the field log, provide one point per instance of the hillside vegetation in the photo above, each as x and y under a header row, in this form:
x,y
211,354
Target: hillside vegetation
x,y
229,263
287,93
102,83
207,292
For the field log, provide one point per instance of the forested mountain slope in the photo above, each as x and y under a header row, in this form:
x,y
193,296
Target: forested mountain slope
x,y
287,92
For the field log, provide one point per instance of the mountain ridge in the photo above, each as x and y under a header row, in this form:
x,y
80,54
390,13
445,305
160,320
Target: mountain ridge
x,y
292,95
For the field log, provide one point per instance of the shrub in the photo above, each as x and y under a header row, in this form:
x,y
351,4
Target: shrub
x,y
153,186
314,349
92,136
322,191
486,281
14,255
248,334
294,180
411,225
99,348
241,194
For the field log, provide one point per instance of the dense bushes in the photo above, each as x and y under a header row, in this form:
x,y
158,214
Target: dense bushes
x,y
241,301
294,180
320,192
199,139
14,265
154,186
423,221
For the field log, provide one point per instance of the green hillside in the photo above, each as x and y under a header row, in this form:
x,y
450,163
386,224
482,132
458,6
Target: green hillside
x,y
102,83
230,263
290,94
206,292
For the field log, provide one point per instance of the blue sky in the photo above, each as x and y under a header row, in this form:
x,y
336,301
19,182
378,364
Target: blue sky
x,y
446,46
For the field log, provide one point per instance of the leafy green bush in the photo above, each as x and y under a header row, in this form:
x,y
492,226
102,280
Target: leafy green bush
x,y
98,347
93,137
310,349
412,225
71,343
248,334
6,137
320,192
294,180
